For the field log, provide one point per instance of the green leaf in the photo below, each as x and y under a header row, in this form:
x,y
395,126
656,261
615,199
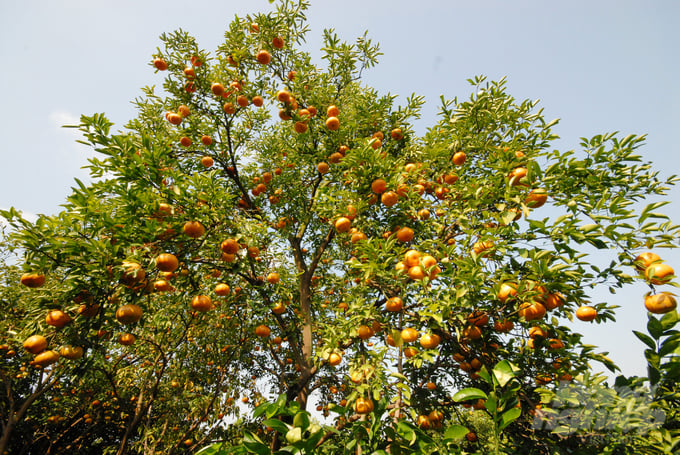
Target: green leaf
x,y
646,339
508,417
469,393
654,327
503,372
277,425
406,431
301,420
456,432
254,445
214,449
669,320
669,345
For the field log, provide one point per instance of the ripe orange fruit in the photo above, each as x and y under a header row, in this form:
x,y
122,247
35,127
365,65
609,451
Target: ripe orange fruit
x,y
217,88
411,258
553,300
343,224
88,311
230,246
332,111
264,57
129,314
160,64
472,332
586,313
283,96
363,405
258,100
409,334
184,111
416,273
300,127
323,167
478,318
394,304
173,118
423,422
389,198
537,331
507,291
279,308
432,386
503,326
35,344
555,344
133,273
193,229
32,280
482,248
229,108
332,123
459,158
471,436
127,339
206,140
397,134
185,141
262,331
365,332
222,289
516,175
334,359
659,273
242,100
162,286
45,358
532,311
660,303
644,260
379,186
537,198
71,352
57,318
410,352
201,303
273,278
189,73
207,161
167,262
277,42
430,341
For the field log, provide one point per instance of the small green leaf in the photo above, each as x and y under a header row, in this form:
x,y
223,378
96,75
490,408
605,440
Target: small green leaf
x,y
646,339
456,432
503,372
508,417
469,393
654,327
669,320
277,425
301,420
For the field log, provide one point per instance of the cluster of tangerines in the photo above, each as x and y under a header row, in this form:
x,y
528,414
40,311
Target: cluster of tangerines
x,y
656,272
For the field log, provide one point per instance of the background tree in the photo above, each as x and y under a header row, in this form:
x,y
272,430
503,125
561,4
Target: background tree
x,y
267,227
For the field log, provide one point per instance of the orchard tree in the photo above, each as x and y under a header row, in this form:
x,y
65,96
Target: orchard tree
x,y
273,232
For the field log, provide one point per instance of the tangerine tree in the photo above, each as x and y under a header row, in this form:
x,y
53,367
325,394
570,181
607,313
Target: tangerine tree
x,y
271,227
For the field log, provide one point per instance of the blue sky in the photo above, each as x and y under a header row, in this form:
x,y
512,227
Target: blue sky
x,y
607,65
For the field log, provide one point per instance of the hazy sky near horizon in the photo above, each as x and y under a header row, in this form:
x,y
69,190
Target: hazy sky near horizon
x,y
600,66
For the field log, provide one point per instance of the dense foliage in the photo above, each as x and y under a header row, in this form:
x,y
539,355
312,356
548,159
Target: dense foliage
x,y
272,233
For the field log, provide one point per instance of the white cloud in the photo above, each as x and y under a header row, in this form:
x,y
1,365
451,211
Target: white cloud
x,y
60,118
